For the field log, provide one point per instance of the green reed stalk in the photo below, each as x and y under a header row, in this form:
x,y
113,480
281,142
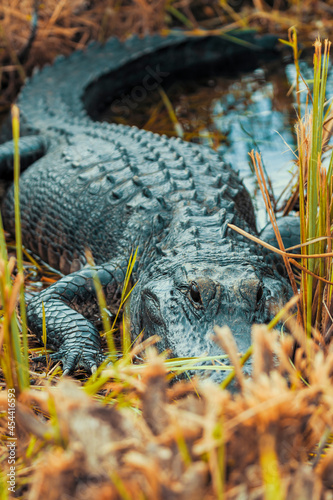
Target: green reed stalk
x,y
315,225
18,236
293,44
14,359
273,489
7,347
302,133
103,310
13,363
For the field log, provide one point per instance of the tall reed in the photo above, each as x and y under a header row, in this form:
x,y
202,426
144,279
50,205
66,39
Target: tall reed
x,y
14,346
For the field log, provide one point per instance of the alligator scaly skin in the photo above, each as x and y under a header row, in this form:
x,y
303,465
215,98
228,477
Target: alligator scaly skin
x,y
113,188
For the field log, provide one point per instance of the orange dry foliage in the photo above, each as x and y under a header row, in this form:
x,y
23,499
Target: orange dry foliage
x,y
68,25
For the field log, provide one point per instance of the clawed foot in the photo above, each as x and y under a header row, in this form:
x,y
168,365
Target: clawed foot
x,y
71,360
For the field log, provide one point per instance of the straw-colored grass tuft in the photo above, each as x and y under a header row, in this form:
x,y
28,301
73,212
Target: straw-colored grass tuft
x,y
166,442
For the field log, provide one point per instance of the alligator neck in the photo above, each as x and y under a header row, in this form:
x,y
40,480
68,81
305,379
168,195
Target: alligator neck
x,y
202,234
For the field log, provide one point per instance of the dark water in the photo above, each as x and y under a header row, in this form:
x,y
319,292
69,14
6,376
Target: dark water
x,y
233,114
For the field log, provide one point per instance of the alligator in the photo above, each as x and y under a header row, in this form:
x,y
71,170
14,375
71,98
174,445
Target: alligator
x,y
114,188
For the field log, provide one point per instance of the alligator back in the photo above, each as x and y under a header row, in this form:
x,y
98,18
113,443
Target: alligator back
x,y
99,182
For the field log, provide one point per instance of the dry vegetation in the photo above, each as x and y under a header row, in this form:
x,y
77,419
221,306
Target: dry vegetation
x,y
68,25
126,433
190,441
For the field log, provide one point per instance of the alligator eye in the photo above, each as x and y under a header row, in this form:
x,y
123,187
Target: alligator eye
x,y
260,293
195,294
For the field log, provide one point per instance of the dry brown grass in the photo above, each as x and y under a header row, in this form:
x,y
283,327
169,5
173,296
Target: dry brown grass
x,y
65,26
68,25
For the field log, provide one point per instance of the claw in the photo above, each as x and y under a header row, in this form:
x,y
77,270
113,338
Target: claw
x,y
71,360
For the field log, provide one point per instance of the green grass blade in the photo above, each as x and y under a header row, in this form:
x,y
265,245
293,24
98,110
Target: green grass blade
x,y
18,236
103,310
44,333
270,468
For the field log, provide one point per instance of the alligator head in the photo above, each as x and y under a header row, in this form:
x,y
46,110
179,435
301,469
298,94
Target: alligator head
x,y
181,303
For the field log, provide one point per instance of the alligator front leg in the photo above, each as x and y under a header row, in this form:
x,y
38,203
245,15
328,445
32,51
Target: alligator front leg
x,y
71,314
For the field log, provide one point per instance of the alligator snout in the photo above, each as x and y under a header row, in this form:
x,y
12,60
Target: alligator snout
x,y
183,306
